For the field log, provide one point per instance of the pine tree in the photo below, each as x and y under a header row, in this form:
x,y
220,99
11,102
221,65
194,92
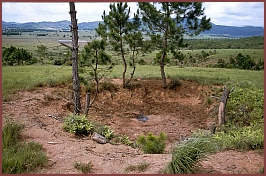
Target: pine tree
x,y
119,30
95,63
169,22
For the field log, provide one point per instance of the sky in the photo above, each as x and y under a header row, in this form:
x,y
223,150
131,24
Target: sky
x,y
221,13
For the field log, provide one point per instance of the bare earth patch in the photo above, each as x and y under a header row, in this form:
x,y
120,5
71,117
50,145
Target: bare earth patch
x,y
175,112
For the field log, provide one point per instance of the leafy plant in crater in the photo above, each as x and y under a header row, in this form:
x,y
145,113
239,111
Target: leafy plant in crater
x,y
78,124
124,139
104,130
152,144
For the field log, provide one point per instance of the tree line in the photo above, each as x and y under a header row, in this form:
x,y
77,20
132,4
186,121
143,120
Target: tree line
x,y
255,42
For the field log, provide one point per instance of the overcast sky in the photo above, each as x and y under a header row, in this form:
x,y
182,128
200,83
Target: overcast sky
x,y
221,13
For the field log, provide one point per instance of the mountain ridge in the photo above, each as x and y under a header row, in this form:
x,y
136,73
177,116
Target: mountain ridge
x,y
233,31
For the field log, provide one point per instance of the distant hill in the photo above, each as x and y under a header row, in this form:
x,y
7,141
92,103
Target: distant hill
x,y
246,31
217,30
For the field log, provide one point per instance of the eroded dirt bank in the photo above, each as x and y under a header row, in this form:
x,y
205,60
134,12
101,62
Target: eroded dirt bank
x,y
175,112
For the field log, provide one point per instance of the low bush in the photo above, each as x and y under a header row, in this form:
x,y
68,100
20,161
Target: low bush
x,y
152,144
78,124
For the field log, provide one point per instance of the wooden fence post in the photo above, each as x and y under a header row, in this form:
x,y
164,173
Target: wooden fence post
x,y
87,104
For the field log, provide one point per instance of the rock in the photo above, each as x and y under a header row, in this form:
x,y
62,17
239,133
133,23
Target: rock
x,y
99,138
142,118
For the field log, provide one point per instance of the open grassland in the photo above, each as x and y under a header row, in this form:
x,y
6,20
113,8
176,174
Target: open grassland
x,y
15,78
27,77
30,41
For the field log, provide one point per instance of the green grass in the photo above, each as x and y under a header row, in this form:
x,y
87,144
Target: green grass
x,y
227,53
186,155
15,78
17,156
206,76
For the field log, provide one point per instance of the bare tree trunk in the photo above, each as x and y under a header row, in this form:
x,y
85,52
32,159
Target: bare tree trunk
x,y
134,67
75,76
221,113
162,69
125,65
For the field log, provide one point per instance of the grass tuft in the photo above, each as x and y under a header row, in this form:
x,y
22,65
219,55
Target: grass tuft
x,y
20,157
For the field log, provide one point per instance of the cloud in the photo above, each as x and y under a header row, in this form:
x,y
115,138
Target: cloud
x,y
221,13
236,13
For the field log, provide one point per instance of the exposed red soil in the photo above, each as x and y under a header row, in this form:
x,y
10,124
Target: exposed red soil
x,y
174,112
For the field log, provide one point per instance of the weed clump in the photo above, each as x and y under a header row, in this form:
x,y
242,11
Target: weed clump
x,y
19,157
152,144
84,168
187,154
140,167
174,83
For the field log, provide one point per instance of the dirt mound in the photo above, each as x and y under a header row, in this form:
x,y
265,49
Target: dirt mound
x,y
174,112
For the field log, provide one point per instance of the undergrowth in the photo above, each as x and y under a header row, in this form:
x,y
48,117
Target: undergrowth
x,y
80,125
244,130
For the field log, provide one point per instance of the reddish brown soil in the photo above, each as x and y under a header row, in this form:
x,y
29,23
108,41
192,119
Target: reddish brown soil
x,y
174,112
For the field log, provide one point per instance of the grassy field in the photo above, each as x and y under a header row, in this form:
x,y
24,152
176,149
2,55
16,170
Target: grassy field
x,y
27,77
30,41
16,78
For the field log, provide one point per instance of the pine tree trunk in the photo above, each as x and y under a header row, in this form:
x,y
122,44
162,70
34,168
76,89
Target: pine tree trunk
x,y
75,76
162,69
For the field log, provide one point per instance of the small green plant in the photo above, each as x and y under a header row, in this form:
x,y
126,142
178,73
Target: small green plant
x,y
209,101
84,168
152,144
78,124
104,131
20,157
174,83
242,138
125,140
140,167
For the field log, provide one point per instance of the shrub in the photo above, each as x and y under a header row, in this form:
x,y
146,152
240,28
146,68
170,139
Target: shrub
x,y
78,124
152,144
16,56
